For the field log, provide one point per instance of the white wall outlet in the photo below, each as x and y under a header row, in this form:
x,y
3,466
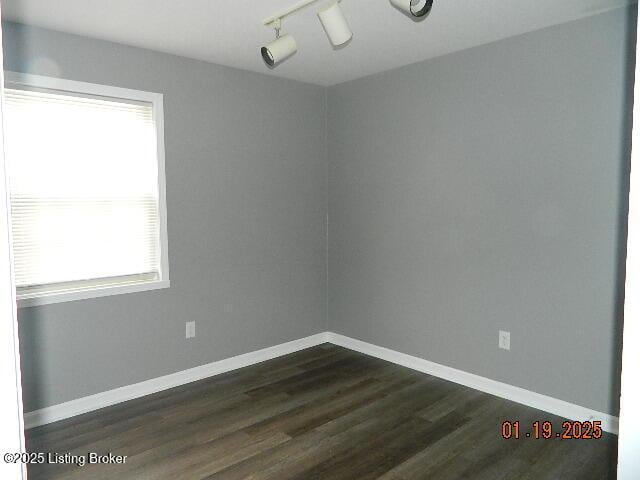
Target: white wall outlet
x,y
190,329
504,340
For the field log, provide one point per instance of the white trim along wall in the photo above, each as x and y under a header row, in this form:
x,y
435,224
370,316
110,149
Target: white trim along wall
x,y
499,389
11,419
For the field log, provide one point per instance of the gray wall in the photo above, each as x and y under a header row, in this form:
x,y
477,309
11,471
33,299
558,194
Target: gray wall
x,y
246,194
482,191
479,191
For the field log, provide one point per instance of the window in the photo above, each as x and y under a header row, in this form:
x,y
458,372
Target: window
x,y
86,183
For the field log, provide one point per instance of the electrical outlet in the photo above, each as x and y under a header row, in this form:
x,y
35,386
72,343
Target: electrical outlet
x,y
190,329
504,340
228,307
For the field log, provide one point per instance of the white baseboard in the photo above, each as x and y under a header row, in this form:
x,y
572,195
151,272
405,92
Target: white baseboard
x,y
129,392
499,389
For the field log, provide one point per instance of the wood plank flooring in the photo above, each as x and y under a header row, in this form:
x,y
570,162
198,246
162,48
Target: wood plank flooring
x,y
325,413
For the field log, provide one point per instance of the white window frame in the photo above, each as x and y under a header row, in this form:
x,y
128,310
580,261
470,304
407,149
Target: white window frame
x,y
17,80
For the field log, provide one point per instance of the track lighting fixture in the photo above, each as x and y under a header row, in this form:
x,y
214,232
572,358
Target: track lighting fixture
x,y
280,49
335,24
416,9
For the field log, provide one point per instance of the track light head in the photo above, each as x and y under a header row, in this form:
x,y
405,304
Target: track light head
x,y
335,24
416,9
280,49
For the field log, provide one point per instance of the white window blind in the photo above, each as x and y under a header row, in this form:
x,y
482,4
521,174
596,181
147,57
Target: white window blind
x,y
83,176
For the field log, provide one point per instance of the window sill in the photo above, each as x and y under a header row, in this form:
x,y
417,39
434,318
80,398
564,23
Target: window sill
x,y
83,294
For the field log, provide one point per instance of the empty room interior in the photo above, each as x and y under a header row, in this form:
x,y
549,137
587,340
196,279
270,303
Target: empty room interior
x,y
330,240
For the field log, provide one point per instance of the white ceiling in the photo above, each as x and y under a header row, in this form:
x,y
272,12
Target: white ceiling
x,y
230,32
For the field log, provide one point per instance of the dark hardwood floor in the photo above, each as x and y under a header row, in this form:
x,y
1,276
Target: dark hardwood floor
x,y
322,413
